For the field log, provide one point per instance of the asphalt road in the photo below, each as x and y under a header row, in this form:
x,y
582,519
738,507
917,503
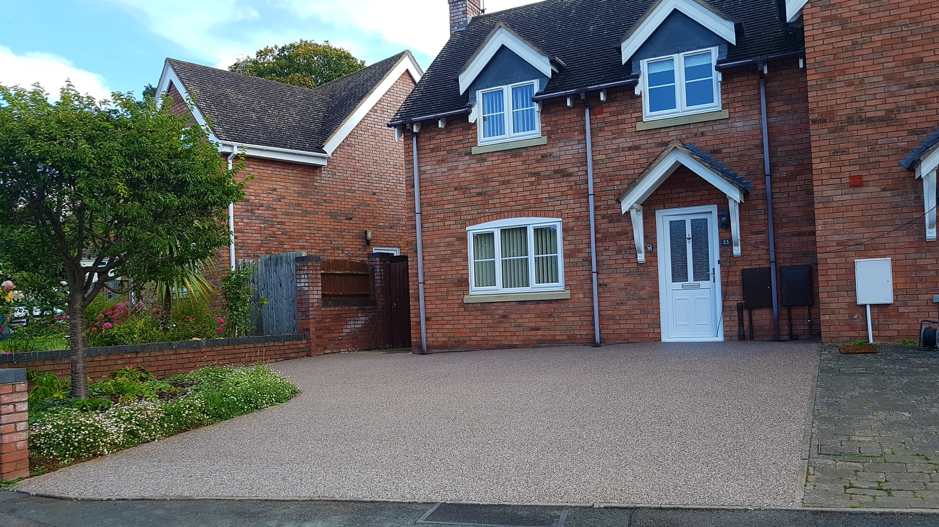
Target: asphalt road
x,y
21,510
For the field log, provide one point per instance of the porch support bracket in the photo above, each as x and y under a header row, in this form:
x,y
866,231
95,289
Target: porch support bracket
x,y
635,215
929,195
734,207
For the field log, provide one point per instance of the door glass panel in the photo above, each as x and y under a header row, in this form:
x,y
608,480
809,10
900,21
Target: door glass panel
x,y
700,250
678,246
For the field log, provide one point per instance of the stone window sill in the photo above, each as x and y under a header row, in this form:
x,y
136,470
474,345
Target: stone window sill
x,y
683,119
517,297
510,145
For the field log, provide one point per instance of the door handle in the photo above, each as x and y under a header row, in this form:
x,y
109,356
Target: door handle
x,y
713,276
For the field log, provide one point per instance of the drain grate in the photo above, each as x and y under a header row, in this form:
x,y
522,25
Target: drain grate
x,y
495,515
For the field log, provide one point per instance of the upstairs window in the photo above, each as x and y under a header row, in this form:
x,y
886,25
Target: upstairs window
x,y
508,113
517,255
681,84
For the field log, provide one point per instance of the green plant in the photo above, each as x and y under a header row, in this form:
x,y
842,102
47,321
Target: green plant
x,y
239,295
908,342
138,422
92,404
47,386
184,413
858,343
68,434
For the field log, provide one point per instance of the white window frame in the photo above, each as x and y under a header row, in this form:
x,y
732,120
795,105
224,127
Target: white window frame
x,y
496,227
680,95
394,251
508,116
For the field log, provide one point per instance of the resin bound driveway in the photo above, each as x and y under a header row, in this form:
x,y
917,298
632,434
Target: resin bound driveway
x,y
669,424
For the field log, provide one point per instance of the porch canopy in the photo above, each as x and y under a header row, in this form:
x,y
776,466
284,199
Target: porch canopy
x,y
675,155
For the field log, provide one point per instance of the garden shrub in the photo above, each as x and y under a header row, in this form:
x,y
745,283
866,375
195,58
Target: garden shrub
x,y
66,430
47,386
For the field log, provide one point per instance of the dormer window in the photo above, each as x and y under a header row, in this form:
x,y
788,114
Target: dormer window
x,y
680,84
508,113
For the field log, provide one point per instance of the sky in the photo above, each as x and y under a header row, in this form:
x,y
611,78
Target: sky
x,y
120,45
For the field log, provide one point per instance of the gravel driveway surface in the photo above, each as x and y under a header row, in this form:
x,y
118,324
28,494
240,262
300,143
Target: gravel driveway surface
x,y
679,424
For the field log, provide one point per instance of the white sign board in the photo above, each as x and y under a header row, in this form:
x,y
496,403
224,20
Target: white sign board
x,y
874,281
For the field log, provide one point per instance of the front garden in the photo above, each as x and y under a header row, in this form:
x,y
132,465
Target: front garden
x,y
133,407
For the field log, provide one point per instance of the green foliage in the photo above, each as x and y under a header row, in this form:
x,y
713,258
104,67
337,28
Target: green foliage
x,y
908,342
239,295
303,63
41,333
77,429
47,386
114,181
858,343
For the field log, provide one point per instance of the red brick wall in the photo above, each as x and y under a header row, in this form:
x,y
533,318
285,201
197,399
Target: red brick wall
x,y
873,84
14,448
459,189
325,211
166,360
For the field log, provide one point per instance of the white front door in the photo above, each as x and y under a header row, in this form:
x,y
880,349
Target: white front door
x,y
689,274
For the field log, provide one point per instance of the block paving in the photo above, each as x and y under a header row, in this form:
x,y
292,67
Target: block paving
x,y
875,430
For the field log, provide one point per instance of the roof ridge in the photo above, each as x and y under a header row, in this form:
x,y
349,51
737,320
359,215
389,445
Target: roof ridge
x,y
241,75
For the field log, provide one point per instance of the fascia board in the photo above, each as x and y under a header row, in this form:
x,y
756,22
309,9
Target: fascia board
x,y
712,21
502,37
169,76
406,64
665,168
794,9
277,154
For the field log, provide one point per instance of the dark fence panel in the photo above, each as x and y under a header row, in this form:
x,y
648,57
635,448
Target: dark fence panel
x,y
347,280
275,279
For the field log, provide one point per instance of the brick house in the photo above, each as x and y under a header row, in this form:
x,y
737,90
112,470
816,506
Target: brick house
x,y
326,168
328,180
608,171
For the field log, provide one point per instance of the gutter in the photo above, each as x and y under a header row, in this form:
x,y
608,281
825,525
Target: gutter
x,y
597,87
400,122
231,214
759,61
420,244
246,146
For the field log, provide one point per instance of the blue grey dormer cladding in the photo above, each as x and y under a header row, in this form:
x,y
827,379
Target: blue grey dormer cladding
x,y
677,34
505,68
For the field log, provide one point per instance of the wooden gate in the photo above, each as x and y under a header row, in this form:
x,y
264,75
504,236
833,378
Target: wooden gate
x,y
275,279
398,301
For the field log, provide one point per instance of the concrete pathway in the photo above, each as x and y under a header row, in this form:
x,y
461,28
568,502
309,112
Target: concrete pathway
x,y
702,424
875,439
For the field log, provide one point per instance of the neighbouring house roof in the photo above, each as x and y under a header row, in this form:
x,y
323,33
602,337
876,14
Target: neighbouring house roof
x,y
584,36
925,146
250,110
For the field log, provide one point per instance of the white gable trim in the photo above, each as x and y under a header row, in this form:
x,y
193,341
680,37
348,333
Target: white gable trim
x,y
502,37
632,201
407,64
794,9
169,76
718,25
926,170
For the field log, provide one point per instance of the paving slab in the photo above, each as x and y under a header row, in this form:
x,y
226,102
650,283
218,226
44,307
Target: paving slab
x,y
875,430
660,424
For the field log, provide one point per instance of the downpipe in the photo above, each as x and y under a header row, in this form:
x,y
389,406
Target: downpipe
x,y
769,204
593,228
420,244
231,215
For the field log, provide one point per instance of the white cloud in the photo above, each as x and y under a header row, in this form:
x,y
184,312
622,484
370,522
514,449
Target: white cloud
x,y
50,71
423,25
190,23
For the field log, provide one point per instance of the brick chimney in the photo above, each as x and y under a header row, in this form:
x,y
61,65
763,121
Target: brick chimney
x,y
461,11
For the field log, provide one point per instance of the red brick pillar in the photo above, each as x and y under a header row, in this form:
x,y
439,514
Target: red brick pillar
x,y
14,448
310,301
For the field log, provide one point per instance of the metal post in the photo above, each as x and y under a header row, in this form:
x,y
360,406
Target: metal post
x,y
593,231
420,247
769,207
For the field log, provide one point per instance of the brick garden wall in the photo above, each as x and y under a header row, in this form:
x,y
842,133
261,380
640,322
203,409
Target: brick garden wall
x,y
14,428
166,359
459,189
873,84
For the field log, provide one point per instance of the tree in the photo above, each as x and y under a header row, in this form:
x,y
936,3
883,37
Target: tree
x,y
302,63
102,189
148,91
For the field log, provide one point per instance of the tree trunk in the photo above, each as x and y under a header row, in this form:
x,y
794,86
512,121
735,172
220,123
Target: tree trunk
x,y
76,323
167,310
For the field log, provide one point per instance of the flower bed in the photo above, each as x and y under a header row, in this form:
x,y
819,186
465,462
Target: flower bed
x,y
133,407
